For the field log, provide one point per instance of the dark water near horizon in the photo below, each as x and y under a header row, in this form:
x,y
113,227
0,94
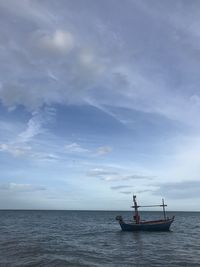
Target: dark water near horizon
x,y
94,238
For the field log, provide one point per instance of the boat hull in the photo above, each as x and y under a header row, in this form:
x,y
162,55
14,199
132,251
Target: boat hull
x,y
162,225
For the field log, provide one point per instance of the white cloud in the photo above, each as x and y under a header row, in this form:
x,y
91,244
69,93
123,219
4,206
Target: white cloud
x,y
59,41
33,128
75,148
116,187
22,143
113,175
101,172
45,157
120,177
15,150
36,124
17,187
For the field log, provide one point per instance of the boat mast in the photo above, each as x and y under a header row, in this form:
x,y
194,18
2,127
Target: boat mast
x,y
136,217
163,205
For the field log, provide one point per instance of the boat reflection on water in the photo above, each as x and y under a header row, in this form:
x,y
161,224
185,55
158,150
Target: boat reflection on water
x,y
140,225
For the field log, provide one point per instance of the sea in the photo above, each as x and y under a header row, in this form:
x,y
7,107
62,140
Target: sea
x,y
94,238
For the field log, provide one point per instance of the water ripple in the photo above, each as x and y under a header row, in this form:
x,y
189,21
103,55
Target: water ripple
x,y
70,238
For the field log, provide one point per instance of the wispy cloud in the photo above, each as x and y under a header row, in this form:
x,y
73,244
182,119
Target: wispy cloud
x,y
75,148
21,145
145,191
117,187
36,124
25,143
98,172
15,150
57,42
33,129
114,175
78,148
17,187
46,157
120,177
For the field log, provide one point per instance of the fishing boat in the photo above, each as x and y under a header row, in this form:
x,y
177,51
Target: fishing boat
x,y
140,225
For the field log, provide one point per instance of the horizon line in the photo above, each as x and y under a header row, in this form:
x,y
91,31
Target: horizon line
x,y
85,210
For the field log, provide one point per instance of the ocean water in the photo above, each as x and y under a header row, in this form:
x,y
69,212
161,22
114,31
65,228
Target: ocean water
x,y
94,238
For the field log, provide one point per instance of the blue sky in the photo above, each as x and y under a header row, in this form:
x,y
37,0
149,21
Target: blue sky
x,y
99,100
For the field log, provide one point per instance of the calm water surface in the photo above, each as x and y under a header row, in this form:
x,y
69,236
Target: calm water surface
x,y
89,238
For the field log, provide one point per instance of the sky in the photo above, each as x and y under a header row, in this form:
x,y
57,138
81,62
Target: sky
x,y
99,100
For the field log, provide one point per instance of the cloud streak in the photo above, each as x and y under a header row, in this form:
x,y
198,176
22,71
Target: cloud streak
x,y
115,176
117,187
17,187
15,150
75,148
